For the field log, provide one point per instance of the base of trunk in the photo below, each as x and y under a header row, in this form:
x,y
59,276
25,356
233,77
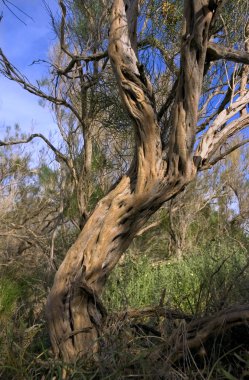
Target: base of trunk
x,y
75,323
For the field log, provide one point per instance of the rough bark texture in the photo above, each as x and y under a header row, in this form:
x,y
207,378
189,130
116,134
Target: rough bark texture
x,y
193,338
75,313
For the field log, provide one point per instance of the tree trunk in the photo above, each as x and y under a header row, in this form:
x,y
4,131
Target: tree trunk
x,y
74,310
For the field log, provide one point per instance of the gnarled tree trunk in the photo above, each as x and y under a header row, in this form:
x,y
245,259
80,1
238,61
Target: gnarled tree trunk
x,y
74,311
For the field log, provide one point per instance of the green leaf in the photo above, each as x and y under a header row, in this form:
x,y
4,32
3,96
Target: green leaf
x,y
228,375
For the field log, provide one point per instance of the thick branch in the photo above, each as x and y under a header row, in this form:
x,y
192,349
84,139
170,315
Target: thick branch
x,y
214,161
198,16
136,93
201,330
216,52
220,131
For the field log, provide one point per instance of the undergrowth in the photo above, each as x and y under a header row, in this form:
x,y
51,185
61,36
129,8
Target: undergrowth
x,y
201,283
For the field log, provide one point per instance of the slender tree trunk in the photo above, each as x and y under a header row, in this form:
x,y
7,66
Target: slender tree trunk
x,y
75,313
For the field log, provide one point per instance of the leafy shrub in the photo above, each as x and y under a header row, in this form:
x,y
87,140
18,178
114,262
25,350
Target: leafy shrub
x,y
203,281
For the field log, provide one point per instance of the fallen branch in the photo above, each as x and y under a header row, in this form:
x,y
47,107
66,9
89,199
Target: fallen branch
x,y
156,311
193,338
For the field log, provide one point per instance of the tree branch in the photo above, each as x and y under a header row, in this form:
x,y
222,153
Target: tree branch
x,y
198,16
161,311
219,131
136,92
200,330
209,164
216,52
149,227
30,138
77,58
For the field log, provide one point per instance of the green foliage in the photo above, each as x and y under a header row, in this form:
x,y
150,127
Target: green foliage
x,y
47,177
96,195
23,337
98,160
16,289
202,282
10,293
212,273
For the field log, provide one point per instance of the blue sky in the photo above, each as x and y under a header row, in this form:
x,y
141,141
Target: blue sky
x,y
23,44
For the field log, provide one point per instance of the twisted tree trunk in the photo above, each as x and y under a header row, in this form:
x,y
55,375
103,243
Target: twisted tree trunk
x,y
74,311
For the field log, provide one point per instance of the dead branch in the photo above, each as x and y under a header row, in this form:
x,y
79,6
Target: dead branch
x,y
157,311
194,336
30,138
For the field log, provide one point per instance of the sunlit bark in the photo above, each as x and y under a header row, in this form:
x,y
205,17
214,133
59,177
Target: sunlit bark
x,y
75,313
